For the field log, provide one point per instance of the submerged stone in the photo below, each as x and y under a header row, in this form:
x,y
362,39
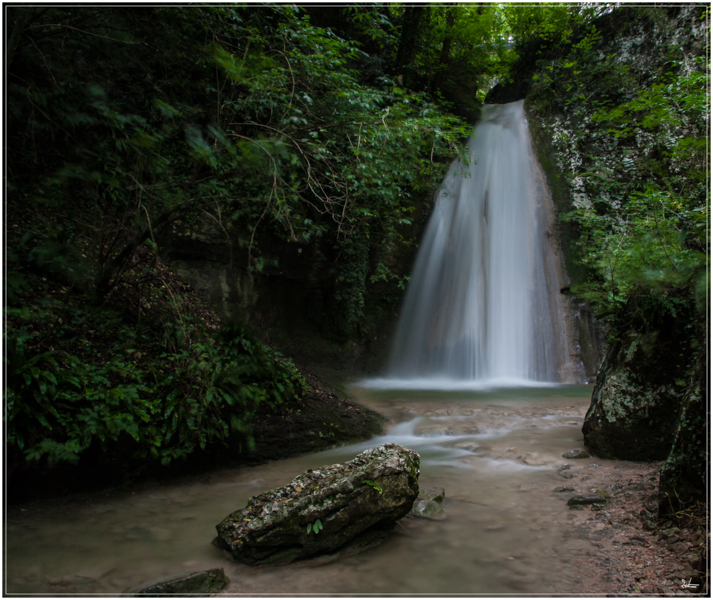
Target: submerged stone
x,y
427,509
433,494
428,504
576,453
468,447
331,509
202,583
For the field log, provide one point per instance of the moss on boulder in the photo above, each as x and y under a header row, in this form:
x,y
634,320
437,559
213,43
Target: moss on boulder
x,y
325,510
631,417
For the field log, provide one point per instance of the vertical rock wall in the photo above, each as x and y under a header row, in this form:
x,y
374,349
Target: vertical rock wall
x,y
650,397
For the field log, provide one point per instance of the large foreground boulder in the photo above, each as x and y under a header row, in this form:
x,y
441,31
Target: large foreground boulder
x,y
322,511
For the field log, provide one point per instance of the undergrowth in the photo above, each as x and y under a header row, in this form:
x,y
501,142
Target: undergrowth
x,y
151,371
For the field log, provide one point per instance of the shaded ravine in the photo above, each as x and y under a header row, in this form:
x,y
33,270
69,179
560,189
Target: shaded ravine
x,y
496,453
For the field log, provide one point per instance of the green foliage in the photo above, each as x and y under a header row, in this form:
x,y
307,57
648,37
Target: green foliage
x,y
551,22
167,404
374,485
128,127
634,152
460,50
678,102
579,80
315,527
245,121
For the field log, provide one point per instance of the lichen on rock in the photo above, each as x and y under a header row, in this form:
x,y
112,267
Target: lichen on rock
x,y
633,413
350,505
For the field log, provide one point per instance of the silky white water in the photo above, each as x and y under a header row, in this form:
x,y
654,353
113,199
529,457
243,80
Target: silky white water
x,y
483,307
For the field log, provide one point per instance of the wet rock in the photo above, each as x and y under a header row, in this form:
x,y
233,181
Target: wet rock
x,y
468,447
634,411
682,481
202,583
679,547
427,509
669,532
564,488
576,453
649,525
535,459
567,474
332,509
574,500
428,504
433,494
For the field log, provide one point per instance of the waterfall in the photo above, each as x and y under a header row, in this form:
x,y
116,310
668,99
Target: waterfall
x,y
483,303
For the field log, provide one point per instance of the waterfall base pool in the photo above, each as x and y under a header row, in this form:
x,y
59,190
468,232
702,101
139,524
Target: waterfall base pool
x,y
496,453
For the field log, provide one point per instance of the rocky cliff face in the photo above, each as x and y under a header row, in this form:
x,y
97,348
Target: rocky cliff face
x,y
292,302
648,401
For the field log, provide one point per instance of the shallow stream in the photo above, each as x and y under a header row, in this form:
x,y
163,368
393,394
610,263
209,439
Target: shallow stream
x,y
496,453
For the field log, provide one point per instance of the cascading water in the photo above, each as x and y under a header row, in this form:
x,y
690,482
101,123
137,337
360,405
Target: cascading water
x,y
483,304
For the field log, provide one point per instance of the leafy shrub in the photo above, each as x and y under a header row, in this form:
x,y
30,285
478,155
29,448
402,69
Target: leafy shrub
x,y
58,403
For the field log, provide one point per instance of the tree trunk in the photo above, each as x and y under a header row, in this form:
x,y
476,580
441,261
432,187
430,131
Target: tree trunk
x,y
409,33
446,48
17,29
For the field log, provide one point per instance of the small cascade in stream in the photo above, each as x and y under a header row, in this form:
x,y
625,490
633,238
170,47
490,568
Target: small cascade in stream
x,y
483,304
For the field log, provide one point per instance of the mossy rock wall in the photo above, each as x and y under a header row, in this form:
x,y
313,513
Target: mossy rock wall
x,y
630,418
588,339
293,302
686,472
650,400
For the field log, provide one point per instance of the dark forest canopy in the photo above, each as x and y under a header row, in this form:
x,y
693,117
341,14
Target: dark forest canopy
x,y
312,137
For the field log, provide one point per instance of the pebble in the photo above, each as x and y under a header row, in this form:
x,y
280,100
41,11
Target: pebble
x,y
467,447
576,453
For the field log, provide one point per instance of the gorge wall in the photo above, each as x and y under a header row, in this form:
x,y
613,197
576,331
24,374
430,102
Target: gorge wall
x,y
619,116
